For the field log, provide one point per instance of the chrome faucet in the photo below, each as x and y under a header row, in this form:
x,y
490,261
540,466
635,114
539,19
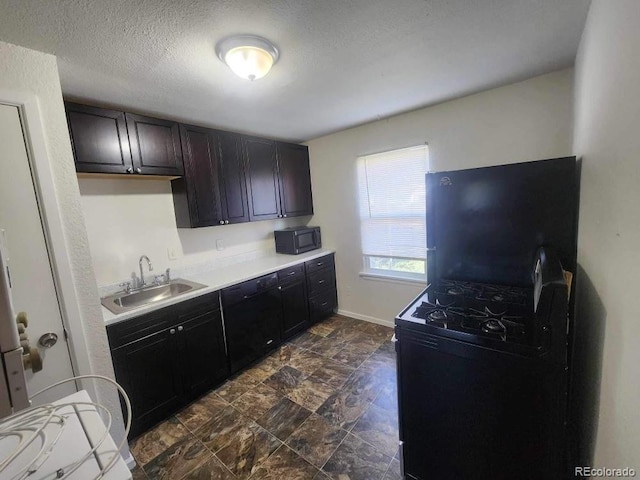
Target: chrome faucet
x,y
144,257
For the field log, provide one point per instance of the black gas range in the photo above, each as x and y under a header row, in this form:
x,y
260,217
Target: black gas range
x,y
483,350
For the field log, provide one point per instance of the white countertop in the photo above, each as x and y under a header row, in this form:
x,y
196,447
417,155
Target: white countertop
x,y
221,278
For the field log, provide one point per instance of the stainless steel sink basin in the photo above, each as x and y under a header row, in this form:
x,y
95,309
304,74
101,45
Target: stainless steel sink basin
x,y
123,302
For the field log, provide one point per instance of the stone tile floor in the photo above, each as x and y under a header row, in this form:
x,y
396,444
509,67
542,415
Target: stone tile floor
x,y
322,406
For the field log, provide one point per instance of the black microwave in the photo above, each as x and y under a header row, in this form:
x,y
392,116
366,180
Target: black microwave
x,y
297,240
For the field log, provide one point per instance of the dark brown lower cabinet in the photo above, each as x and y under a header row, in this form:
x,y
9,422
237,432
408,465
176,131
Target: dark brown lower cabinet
x,y
148,372
202,353
165,370
321,287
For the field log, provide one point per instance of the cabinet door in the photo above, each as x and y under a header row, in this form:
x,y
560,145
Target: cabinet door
x,y
262,178
197,195
203,358
295,180
155,145
147,371
295,312
233,187
99,139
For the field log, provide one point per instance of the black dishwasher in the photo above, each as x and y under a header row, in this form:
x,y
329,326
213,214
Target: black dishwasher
x,y
252,319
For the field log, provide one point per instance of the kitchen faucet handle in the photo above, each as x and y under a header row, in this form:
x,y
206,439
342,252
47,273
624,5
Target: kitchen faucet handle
x,y
126,286
167,275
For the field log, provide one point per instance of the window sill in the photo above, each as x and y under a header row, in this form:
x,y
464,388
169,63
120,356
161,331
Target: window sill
x,y
379,277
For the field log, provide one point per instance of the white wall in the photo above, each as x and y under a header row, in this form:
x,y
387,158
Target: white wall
x,y
607,137
529,120
36,73
127,218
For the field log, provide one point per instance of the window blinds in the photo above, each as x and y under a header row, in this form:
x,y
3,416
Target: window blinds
x,y
392,202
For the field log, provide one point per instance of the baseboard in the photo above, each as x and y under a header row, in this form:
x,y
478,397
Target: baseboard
x,y
366,318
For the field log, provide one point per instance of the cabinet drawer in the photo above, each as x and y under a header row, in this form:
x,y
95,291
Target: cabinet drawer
x,y
198,306
320,281
129,331
319,263
287,275
323,305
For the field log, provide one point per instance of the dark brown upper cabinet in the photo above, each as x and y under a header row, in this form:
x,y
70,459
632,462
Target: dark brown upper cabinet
x,y
212,191
262,178
108,141
196,196
295,180
233,189
155,145
99,139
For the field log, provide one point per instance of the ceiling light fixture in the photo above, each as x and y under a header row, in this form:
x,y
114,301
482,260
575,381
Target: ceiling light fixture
x,y
248,56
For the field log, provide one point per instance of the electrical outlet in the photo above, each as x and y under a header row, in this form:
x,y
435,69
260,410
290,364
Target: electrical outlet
x,y
219,244
172,253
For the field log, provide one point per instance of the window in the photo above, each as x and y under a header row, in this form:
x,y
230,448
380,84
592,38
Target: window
x,y
392,212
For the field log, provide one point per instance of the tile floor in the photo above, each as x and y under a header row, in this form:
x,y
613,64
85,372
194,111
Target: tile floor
x,y
322,406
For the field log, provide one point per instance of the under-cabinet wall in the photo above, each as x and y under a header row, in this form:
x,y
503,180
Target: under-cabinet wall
x,y
128,218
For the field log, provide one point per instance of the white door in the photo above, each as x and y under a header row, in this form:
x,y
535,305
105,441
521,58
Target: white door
x,y
32,282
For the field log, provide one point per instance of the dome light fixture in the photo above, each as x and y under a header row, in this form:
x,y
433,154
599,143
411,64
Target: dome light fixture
x,y
248,56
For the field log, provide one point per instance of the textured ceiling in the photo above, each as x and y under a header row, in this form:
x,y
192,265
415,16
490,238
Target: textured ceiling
x,y
343,62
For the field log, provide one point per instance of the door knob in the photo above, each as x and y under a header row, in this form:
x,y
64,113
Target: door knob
x,y
48,340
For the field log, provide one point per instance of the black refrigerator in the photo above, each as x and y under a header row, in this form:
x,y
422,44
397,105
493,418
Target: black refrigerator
x,y
483,351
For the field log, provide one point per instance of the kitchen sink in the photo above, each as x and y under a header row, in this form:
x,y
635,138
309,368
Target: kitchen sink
x,y
123,302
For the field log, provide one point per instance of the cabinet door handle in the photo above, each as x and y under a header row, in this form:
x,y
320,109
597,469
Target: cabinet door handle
x,y
130,170
319,264
269,342
138,170
221,222
172,331
285,215
180,328
324,304
291,273
226,222
320,282
279,288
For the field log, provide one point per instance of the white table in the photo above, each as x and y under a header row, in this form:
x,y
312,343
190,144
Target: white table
x,y
82,430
